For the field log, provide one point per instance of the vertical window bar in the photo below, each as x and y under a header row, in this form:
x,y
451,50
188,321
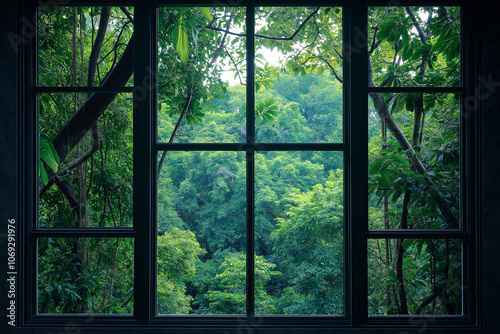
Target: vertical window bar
x,y
250,84
355,52
469,178
346,102
32,158
250,161
143,182
250,263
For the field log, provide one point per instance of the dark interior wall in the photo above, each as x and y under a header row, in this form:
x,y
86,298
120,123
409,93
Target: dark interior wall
x,y
9,157
489,61
490,165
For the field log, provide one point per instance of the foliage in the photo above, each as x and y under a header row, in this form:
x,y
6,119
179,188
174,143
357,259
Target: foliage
x,y
85,275
308,247
226,295
48,156
178,253
414,151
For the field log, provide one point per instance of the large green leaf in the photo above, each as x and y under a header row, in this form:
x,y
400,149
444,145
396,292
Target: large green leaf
x,y
43,173
182,45
206,12
48,154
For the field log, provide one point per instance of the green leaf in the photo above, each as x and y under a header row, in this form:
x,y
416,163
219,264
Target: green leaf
x,y
182,45
386,28
49,160
407,51
206,12
48,154
396,195
387,179
407,243
43,173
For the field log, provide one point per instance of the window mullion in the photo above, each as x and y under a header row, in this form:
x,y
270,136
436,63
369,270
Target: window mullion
x,y
469,167
355,52
143,178
250,161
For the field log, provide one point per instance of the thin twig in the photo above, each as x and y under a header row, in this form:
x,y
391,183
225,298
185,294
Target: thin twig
x,y
179,121
269,37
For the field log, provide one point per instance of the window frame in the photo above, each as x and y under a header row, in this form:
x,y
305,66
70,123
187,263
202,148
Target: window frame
x,y
355,155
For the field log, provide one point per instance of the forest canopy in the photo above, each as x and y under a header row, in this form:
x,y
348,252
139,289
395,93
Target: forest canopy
x,y
87,152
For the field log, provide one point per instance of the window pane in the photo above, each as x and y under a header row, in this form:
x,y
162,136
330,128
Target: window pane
x,y
414,46
201,75
419,190
202,233
298,81
415,276
85,275
71,46
85,180
299,233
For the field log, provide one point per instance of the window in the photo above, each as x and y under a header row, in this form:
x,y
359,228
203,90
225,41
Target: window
x,y
245,166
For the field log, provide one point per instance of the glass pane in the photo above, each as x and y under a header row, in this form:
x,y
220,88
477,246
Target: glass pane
x,y
74,51
414,46
85,169
414,163
86,275
298,75
202,233
415,276
299,224
201,75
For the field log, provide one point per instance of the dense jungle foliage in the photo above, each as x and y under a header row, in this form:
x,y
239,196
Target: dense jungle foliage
x,y
86,160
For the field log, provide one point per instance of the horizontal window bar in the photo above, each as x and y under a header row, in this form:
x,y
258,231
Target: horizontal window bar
x,y
416,90
90,3
245,147
257,321
83,319
41,89
414,3
431,320
382,234
84,232
244,3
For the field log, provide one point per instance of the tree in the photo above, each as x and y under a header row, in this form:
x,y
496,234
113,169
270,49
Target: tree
x,y
408,163
308,249
227,293
90,158
178,254
414,176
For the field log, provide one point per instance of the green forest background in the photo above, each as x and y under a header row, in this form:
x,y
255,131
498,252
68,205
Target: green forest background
x,y
86,175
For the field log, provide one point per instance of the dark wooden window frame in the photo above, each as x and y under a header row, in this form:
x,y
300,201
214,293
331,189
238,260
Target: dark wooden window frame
x,y
355,151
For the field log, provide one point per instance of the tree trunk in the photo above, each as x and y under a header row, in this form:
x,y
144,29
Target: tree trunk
x,y
385,116
85,117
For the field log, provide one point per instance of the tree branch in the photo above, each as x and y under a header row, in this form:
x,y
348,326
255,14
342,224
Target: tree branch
x,y
96,49
84,118
269,37
374,41
325,61
126,12
73,202
235,65
176,128
426,302
223,40
385,115
338,53
421,33
399,257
